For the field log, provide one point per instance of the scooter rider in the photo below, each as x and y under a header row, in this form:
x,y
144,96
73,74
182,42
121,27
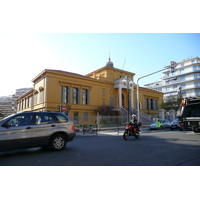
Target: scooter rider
x,y
133,123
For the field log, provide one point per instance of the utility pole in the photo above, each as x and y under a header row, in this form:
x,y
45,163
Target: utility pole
x,y
138,102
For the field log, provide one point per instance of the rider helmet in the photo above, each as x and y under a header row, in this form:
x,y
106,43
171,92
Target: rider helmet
x,y
133,115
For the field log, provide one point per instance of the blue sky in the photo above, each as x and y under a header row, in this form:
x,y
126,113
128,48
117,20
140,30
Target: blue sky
x,y
24,55
78,36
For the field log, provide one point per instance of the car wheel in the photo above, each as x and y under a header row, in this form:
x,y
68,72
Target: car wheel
x,y
58,142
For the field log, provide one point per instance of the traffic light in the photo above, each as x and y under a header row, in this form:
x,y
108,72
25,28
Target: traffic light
x,y
140,106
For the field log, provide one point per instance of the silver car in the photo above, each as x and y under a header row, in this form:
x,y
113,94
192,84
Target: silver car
x,y
164,123
36,129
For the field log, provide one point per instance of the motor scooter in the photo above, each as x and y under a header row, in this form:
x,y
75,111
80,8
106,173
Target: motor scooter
x,y
128,132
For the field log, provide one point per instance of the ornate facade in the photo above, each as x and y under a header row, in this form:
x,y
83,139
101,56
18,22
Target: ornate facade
x,y
105,86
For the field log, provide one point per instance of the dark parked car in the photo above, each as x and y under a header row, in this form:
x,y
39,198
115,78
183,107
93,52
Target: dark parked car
x,y
36,129
175,124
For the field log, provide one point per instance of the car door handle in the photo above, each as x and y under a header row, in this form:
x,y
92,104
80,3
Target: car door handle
x,y
28,127
53,125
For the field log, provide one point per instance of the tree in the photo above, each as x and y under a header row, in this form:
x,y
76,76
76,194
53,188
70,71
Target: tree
x,y
106,110
171,103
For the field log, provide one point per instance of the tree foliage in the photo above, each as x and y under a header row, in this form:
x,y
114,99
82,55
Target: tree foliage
x,y
106,110
171,103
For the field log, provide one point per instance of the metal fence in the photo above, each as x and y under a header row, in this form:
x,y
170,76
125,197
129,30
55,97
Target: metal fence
x,y
100,121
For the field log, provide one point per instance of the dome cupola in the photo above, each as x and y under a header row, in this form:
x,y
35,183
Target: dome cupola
x,y
109,63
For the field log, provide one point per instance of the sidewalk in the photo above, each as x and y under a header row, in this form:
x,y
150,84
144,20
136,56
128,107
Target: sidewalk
x,y
113,132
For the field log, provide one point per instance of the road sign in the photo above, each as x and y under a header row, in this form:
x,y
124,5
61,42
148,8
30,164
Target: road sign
x,y
64,108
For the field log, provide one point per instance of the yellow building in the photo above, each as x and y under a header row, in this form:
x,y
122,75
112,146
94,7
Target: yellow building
x,y
104,86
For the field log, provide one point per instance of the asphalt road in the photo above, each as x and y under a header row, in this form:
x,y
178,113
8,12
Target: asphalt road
x,y
153,148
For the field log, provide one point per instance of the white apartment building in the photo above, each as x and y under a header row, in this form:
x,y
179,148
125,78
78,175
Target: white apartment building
x,y
8,104
181,77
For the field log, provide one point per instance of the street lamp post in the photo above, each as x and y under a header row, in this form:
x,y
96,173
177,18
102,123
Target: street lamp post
x,y
138,102
128,83
180,92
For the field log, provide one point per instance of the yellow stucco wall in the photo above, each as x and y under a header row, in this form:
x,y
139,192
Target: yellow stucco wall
x,y
51,82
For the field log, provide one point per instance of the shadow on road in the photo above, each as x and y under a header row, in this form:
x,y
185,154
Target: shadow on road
x,y
166,148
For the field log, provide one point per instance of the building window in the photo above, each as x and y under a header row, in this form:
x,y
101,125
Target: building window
x,y
85,116
167,82
181,71
147,103
159,89
65,94
193,61
196,83
196,76
85,94
155,104
75,96
103,102
197,92
174,73
182,78
175,87
196,68
167,89
76,117
183,93
151,104
183,86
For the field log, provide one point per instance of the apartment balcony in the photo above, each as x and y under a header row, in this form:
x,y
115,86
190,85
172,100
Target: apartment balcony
x,y
180,74
154,85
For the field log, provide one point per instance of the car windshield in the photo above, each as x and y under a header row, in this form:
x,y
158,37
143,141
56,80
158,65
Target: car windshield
x,y
2,120
175,121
